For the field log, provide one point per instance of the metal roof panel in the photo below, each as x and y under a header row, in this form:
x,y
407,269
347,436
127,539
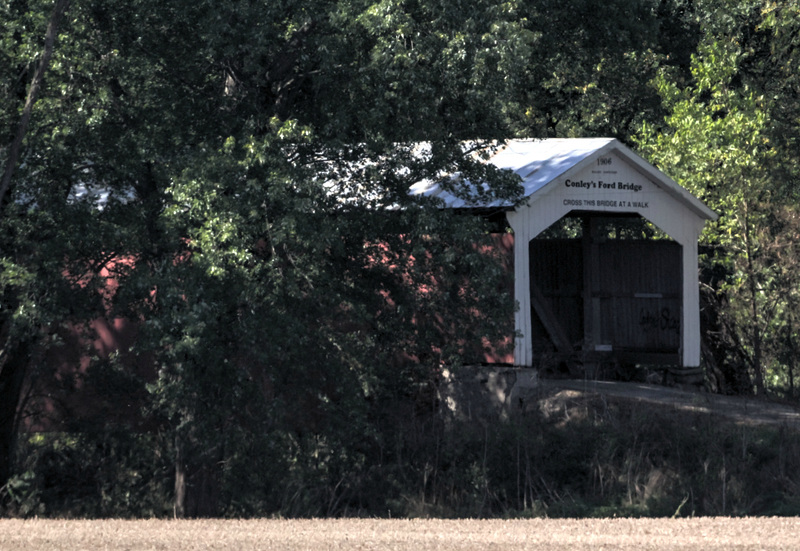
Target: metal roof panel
x,y
539,162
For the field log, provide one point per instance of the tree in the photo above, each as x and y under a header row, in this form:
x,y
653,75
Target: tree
x,y
76,198
588,69
20,319
717,143
306,255
255,175
250,162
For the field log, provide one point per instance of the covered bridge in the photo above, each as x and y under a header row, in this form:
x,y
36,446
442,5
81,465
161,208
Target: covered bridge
x,y
605,254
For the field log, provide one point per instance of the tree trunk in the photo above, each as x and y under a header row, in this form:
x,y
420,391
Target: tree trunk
x,y
196,486
755,313
36,83
791,352
13,367
180,480
203,496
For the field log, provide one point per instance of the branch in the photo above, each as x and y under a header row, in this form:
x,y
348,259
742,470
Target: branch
x,y
49,42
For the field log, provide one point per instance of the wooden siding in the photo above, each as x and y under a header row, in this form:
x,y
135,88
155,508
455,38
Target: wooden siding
x,y
639,295
556,268
619,297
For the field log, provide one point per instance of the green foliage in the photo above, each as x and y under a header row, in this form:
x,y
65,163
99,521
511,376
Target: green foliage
x,y
92,474
240,170
593,458
589,65
725,139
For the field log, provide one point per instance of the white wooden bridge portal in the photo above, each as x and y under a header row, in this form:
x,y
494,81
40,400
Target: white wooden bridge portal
x,y
605,253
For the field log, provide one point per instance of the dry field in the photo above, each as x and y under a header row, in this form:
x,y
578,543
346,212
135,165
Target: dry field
x,y
412,535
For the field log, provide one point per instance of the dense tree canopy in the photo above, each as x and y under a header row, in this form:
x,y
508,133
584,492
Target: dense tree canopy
x,y
240,170
730,137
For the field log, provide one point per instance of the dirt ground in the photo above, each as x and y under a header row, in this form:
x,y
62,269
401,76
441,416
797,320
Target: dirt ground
x,y
739,409
412,535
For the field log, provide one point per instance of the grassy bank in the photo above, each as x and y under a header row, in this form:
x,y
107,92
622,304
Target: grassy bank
x,y
575,455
